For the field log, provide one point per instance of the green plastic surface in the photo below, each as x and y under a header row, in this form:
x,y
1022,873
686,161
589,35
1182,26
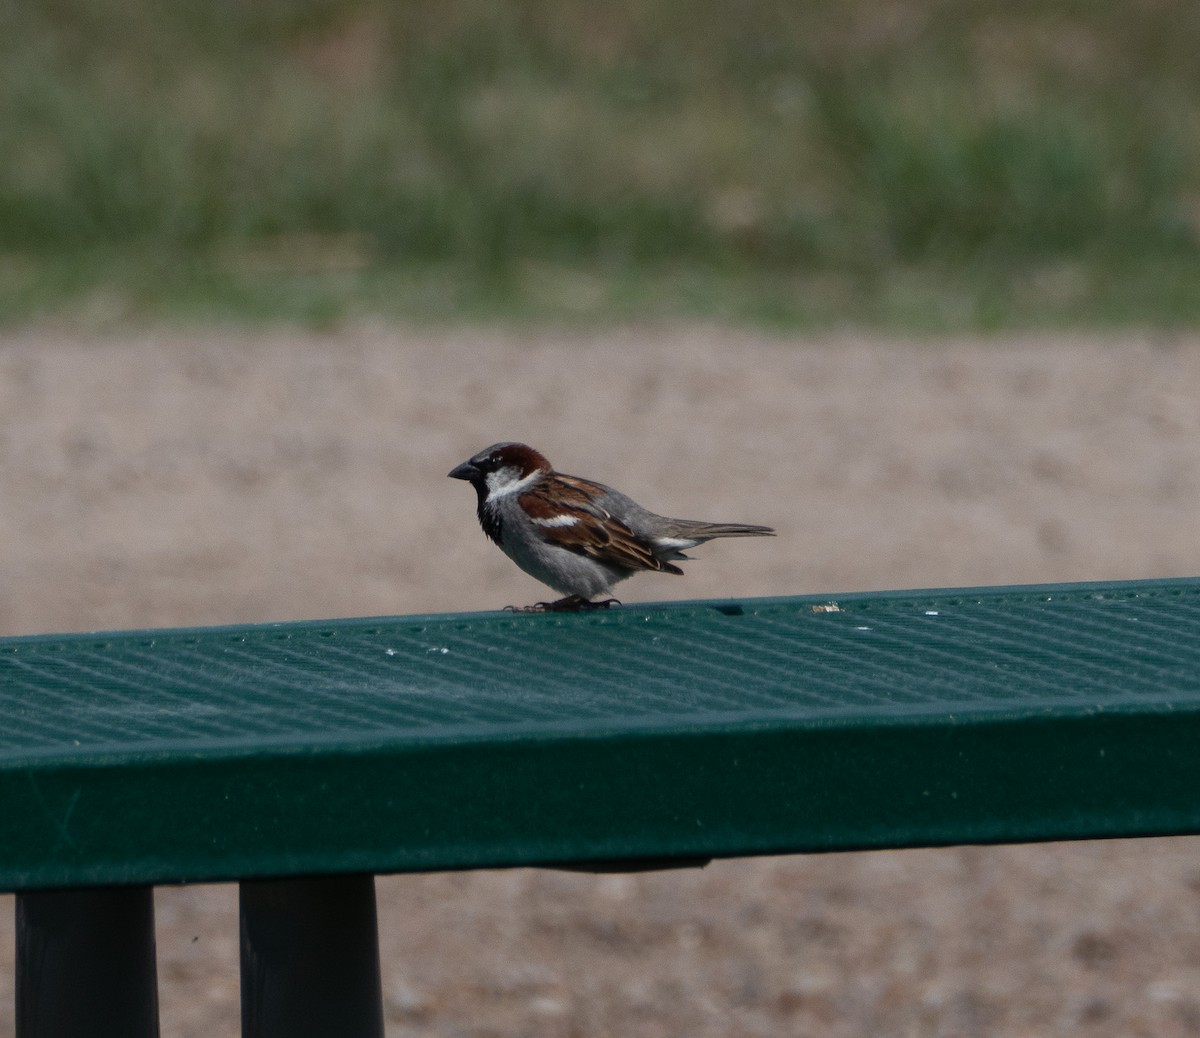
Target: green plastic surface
x,y
678,730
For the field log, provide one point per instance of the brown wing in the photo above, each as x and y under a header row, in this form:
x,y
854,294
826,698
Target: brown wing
x,y
566,509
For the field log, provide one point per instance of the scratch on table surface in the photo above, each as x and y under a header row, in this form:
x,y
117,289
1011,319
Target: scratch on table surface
x,y
60,820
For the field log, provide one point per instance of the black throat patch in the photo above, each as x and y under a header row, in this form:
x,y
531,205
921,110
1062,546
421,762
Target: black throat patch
x,y
489,517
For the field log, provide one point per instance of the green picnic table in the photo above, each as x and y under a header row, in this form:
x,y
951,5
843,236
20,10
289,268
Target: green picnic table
x,y
302,759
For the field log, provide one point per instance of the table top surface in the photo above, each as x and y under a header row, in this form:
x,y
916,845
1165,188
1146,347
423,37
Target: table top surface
x,y
679,730
862,657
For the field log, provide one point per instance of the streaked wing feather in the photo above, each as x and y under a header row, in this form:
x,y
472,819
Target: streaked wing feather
x,y
596,533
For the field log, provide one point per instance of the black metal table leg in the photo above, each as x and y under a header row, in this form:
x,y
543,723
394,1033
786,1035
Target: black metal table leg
x,y
310,958
86,963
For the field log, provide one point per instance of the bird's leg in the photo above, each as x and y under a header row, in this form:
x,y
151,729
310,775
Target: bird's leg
x,y
570,604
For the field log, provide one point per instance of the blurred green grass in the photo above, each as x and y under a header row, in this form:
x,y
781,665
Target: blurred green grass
x,y
920,164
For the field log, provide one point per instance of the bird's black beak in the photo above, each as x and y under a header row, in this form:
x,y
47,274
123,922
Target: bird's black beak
x,y
464,471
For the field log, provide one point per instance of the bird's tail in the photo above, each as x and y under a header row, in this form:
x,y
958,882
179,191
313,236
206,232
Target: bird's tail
x,y
698,531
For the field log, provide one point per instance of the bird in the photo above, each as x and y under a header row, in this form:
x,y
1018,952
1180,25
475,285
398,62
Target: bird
x,y
577,536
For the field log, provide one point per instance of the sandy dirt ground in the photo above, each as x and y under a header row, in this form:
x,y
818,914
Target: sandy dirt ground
x,y
220,477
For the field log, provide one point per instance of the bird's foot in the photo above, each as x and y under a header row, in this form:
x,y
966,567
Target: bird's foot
x,y
570,604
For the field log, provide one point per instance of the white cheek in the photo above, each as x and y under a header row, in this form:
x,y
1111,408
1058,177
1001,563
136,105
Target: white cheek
x,y
507,481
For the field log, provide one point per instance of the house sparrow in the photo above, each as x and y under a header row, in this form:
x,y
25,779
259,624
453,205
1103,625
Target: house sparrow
x,y
577,536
